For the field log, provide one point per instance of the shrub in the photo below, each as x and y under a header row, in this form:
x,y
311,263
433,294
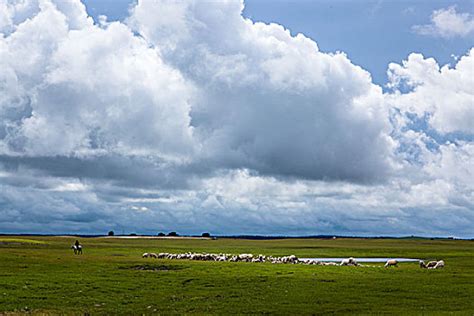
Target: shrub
x,y
161,234
206,235
111,233
172,234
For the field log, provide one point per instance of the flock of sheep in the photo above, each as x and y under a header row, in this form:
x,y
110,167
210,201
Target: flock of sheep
x,y
223,257
292,259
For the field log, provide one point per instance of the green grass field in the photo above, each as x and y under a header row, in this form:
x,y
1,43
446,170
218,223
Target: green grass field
x,y
42,275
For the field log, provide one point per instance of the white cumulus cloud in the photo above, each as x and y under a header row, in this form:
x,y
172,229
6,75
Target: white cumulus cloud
x,y
447,23
445,94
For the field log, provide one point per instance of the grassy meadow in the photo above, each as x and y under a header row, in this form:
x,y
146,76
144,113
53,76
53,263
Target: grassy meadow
x,y
41,275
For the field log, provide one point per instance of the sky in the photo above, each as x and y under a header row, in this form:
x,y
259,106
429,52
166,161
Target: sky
x,y
231,117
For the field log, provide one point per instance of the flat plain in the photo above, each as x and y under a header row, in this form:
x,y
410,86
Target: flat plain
x,y
41,275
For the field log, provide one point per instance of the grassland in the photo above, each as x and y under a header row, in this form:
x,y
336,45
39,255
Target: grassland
x,y
44,276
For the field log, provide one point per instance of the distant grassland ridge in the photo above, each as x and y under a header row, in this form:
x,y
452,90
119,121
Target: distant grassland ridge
x,y
21,241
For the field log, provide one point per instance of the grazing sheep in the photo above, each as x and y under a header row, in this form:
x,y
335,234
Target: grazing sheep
x,y
391,263
439,265
344,262
309,261
328,264
222,258
145,255
246,257
153,255
431,264
349,262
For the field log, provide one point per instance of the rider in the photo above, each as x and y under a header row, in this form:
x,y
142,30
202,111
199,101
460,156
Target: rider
x,y
77,243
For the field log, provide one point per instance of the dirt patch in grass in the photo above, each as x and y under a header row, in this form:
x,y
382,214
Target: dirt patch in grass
x,y
152,267
327,281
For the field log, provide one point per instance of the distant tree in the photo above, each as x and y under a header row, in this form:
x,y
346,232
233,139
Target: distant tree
x,y
174,234
111,233
161,234
133,234
206,235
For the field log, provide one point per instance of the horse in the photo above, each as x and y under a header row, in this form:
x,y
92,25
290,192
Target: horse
x,y
77,249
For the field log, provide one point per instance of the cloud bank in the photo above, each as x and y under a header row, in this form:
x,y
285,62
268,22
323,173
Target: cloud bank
x,y
190,117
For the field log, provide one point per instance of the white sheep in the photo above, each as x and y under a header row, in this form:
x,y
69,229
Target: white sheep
x,y
431,264
293,259
344,262
391,263
349,262
329,263
245,257
439,265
